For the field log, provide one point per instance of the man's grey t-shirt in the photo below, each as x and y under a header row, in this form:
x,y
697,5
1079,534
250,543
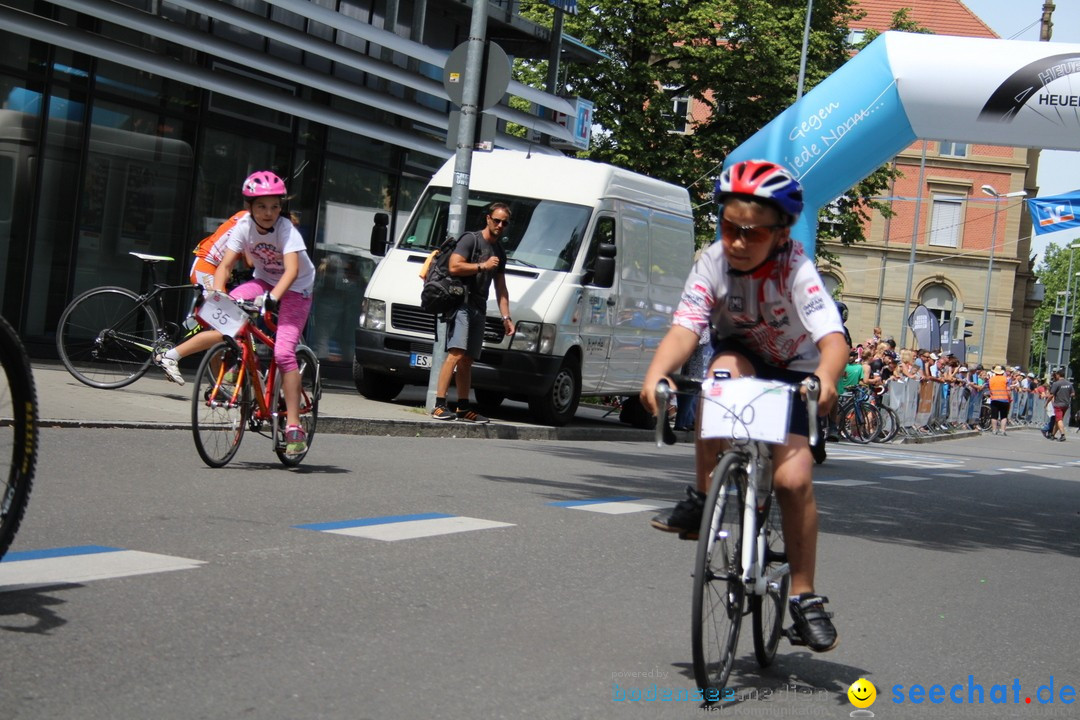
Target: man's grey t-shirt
x,y
1062,392
475,249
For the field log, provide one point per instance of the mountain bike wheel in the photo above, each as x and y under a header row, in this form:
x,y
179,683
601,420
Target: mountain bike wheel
x,y
719,594
861,424
219,414
310,392
768,610
106,337
890,424
18,432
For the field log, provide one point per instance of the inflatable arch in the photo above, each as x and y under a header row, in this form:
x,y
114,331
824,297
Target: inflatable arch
x,y
905,87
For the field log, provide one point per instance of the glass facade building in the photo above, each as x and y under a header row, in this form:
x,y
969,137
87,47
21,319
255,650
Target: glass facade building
x,y
128,126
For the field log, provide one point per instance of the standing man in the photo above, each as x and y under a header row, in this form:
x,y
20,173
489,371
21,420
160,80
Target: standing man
x,y
478,256
999,400
1061,390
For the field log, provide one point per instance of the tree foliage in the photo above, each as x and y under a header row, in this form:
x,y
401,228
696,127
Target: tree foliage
x,y
1053,274
738,60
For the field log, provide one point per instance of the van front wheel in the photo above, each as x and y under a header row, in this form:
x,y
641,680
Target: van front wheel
x,y
558,405
375,385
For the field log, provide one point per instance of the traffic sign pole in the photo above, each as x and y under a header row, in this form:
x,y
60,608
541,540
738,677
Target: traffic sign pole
x,y
459,193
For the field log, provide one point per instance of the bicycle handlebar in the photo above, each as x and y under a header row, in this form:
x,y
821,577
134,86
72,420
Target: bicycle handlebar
x,y
664,435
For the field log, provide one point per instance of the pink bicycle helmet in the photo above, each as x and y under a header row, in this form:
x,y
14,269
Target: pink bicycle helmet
x,y
262,184
763,180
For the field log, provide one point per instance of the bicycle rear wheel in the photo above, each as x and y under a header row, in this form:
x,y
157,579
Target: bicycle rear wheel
x,y
18,432
719,594
106,337
890,424
219,410
310,392
768,610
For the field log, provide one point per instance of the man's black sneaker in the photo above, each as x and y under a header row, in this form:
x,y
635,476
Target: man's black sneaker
x,y
813,625
685,517
471,416
441,412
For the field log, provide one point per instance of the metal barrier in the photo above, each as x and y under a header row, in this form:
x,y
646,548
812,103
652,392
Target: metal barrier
x,y
925,407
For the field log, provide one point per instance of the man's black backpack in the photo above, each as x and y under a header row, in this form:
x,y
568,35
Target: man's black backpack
x,y
443,293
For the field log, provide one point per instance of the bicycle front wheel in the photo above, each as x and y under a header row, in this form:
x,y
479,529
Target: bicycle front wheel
x,y
719,594
862,423
18,432
768,610
310,392
106,337
219,408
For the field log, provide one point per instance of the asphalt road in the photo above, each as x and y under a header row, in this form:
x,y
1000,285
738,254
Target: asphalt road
x,y
951,564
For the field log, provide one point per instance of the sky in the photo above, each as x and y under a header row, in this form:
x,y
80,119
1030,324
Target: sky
x,y
1059,171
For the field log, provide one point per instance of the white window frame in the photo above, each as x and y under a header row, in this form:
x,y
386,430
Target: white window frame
x,y
952,149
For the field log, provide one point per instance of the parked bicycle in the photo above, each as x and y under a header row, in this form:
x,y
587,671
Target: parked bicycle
x,y
859,419
108,336
740,555
18,432
233,392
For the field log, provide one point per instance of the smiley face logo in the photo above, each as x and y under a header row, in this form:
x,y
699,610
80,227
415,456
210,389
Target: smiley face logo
x,y
862,693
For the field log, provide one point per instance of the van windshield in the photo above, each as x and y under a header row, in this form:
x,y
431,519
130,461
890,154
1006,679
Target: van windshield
x,y
542,234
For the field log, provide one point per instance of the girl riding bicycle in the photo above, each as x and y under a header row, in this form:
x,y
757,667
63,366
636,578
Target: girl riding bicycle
x,y
284,276
771,317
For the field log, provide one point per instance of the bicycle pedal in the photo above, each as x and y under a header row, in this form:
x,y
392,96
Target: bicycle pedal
x,y
793,636
775,557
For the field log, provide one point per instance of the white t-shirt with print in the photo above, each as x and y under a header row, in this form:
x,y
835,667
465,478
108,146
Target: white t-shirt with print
x,y
268,251
780,311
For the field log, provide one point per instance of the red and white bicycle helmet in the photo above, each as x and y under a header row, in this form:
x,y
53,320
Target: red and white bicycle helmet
x,y
262,184
764,180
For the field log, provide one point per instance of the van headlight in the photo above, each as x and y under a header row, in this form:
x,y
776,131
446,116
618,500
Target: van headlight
x,y
373,314
533,337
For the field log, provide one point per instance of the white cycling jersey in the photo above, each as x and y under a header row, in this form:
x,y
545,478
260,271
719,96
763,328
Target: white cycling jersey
x,y
780,311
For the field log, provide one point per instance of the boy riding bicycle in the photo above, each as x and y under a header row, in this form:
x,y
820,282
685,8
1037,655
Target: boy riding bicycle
x,y
770,317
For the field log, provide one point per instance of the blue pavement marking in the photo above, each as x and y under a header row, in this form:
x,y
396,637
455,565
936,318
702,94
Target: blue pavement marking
x,y
619,505
80,564
391,528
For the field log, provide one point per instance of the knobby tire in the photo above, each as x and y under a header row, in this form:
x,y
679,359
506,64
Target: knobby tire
x,y
19,429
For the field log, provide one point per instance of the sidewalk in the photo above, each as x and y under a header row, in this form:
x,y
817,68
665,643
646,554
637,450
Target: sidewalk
x,y
154,402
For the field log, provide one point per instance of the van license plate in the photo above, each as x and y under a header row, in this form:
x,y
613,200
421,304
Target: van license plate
x,y
420,360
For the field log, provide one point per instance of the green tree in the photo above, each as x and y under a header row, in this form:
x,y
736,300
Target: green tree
x,y
1053,274
737,59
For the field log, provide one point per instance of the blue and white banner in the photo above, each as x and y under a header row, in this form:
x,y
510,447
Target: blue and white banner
x,y
1058,212
907,86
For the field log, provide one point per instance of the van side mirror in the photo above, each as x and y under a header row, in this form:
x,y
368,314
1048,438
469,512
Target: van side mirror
x,y
604,271
379,232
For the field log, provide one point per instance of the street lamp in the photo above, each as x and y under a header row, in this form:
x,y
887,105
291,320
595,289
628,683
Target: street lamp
x,y
989,190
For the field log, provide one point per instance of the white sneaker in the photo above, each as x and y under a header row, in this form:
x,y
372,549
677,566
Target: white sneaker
x,y
171,368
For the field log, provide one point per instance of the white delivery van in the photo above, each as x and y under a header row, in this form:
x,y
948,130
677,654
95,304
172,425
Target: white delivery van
x,y
596,260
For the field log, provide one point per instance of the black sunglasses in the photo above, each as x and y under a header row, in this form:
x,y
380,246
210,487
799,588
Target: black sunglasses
x,y
499,221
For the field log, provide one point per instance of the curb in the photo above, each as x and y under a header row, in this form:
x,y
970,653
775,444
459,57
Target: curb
x,y
401,428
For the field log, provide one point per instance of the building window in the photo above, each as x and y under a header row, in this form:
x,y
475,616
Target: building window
x,y
953,149
680,114
945,220
855,37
